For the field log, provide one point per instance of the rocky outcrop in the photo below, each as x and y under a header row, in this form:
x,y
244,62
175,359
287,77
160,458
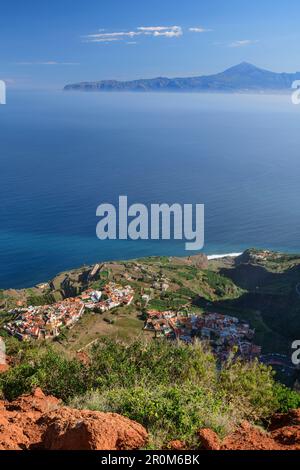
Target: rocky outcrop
x,y
285,428
177,445
18,420
69,429
38,421
283,434
209,439
200,261
248,437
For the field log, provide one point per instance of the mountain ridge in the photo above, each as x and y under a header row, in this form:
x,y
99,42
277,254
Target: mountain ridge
x,y
243,77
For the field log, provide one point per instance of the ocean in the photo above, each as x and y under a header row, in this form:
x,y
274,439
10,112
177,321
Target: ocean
x,y
63,153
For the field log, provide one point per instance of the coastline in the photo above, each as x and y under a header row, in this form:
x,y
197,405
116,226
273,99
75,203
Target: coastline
x,y
47,280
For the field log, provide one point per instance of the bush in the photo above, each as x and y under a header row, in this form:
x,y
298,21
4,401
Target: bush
x,y
249,385
286,398
155,362
36,300
55,374
168,412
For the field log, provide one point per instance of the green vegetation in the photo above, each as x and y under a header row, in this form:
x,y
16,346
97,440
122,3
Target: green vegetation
x,y
167,303
221,286
171,388
286,398
47,369
45,299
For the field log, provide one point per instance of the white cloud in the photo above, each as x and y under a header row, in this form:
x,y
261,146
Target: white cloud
x,y
155,31
154,28
118,35
199,29
167,31
111,37
174,32
243,42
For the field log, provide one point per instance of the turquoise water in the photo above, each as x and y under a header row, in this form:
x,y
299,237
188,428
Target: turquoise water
x,y
62,154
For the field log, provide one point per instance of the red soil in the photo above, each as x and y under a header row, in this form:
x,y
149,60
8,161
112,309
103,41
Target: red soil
x,y
38,421
283,434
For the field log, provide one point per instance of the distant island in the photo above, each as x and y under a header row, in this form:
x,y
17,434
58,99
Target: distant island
x,y
241,78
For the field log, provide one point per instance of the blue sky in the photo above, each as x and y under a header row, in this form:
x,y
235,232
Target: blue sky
x,y
46,44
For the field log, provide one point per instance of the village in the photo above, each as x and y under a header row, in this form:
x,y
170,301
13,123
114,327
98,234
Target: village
x,y
47,321
112,295
224,333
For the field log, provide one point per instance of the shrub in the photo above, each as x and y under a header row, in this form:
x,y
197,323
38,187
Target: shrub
x,y
174,411
45,299
154,362
286,398
250,386
55,374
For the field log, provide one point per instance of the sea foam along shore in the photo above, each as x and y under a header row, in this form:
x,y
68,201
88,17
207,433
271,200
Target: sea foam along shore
x,y
226,255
